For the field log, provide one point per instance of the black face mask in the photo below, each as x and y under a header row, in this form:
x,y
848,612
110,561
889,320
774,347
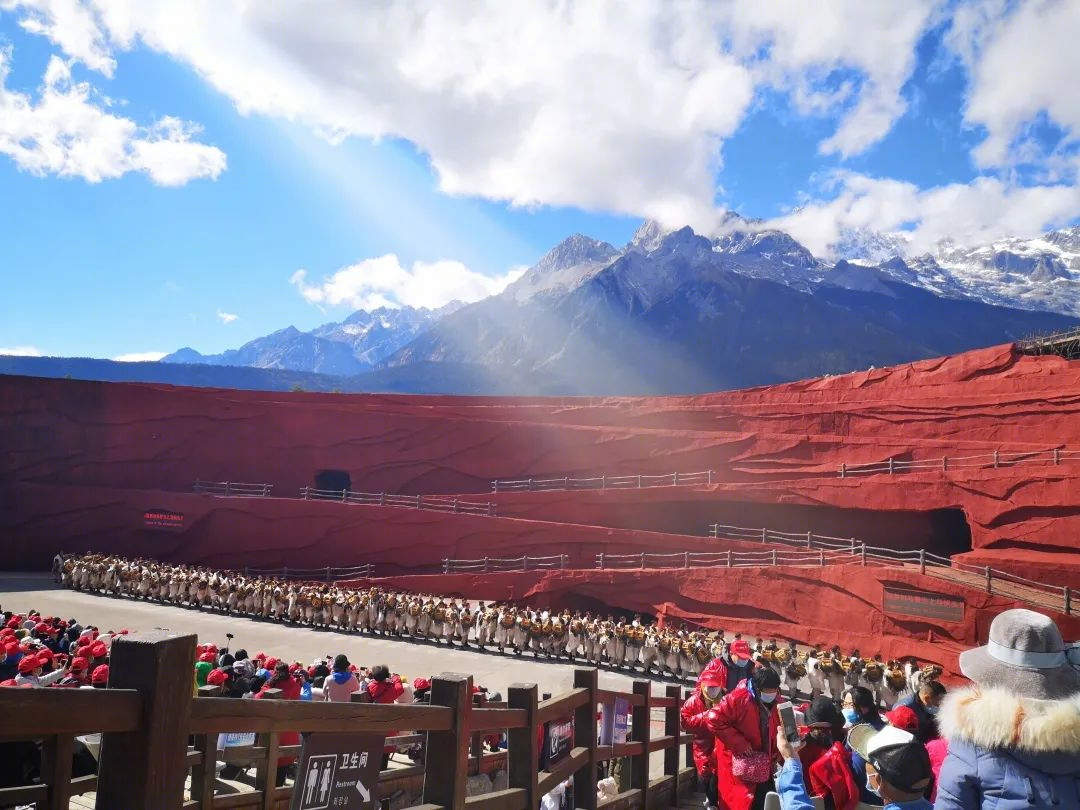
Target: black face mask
x,y
821,736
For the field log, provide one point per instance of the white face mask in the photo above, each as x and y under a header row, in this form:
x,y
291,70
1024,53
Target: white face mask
x,y
739,661
768,697
713,692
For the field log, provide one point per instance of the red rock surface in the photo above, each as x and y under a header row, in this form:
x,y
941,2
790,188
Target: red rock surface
x,y
83,460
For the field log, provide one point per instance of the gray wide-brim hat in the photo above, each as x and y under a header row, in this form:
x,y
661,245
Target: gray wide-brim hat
x,y
1024,655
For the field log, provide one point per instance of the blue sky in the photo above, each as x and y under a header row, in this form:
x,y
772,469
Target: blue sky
x,y
164,176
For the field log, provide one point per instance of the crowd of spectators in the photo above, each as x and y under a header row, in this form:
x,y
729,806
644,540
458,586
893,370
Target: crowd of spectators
x,y
39,651
1008,741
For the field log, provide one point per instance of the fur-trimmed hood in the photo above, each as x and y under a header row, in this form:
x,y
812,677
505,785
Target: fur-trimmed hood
x,y
996,719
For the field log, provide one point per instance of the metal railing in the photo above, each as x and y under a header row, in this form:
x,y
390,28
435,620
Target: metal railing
x,y
431,503
500,564
841,550
326,574
233,489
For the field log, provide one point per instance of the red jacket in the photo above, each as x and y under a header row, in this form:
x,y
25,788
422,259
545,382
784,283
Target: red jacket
x,y
735,723
704,756
386,691
290,690
830,775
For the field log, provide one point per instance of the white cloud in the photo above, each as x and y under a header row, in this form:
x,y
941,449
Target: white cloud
x,y
70,24
384,282
21,351
613,106
973,213
226,317
68,132
139,357
1023,62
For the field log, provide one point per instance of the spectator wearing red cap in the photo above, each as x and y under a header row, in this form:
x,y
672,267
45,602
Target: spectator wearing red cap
x,y
738,664
289,689
710,688
218,677
100,678
30,672
904,717
9,658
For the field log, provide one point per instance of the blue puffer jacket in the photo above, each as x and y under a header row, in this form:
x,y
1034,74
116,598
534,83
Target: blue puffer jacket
x,y
1009,753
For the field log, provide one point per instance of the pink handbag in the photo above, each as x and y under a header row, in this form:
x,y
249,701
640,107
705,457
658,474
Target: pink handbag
x,y
753,767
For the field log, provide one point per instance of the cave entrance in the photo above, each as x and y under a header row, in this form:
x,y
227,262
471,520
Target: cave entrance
x,y
333,480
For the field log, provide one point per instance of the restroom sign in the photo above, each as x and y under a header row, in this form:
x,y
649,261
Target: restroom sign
x,y
338,771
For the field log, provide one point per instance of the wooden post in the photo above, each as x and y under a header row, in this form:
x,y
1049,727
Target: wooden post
x,y
226,488
285,572
522,760
821,557
304,491
862,553
344,495
1057,456
562,561
710,477
673,728
418,501
1067,593
56,754
603,481
727,554
585,735
809,540
382,499
676,480
995,459
639,482
686,559
491,509
566,482
495,485
774,558
639,728
843,470
147,768
487,566
764,535
643,560
922,560
447,752
944,463
989,587
328,573
446,565
455,505
600,558
530,485
890,465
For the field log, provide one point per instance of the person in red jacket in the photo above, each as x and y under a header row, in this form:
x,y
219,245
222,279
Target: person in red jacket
x,y
385,688
290,690
826,765
743,724
710,688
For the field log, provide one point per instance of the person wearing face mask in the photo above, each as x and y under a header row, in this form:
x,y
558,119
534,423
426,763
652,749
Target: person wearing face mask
x,y
738,664
859,707
710,688
825,762
743,724
925,704
859,704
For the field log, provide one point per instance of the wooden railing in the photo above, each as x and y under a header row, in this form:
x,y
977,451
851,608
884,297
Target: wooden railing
x,y
430,503
326,574
145,758
233,489
497,564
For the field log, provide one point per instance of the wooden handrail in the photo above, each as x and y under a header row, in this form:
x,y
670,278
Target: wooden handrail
x,y
562,705
484,719
214,715
31,713
509,799
547,780
609,695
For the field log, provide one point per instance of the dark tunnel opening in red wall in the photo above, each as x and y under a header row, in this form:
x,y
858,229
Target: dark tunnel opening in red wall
x,y
941,531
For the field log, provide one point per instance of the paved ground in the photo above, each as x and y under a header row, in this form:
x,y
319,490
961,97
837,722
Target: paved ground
x,y
21,592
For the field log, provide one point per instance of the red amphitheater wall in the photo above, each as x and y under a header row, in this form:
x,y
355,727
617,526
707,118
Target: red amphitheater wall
x,y
838,605
38,520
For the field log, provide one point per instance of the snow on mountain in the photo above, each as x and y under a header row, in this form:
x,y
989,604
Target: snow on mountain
x,y
1041,273
563,267
379,333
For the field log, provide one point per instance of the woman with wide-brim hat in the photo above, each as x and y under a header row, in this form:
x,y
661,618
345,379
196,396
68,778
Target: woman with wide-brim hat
x,y
1014,737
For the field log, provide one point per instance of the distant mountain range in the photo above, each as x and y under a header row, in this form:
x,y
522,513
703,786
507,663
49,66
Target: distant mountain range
x,y
670,312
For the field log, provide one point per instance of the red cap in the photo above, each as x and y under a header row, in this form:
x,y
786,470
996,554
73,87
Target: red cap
x,y
260,656
14,622
208,657
211,648
45,654
79,664
903,717
270,663
123,632
41,627
217,678
28,663
98,649
421,683
101,674
714,674
740,647
294,668
11,647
